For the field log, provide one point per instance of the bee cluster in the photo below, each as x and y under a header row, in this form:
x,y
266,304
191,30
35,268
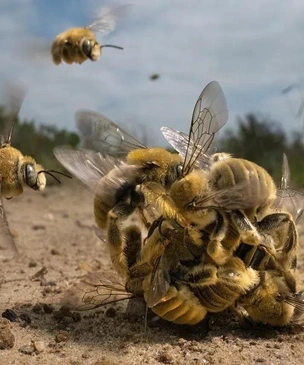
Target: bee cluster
x,y
192,233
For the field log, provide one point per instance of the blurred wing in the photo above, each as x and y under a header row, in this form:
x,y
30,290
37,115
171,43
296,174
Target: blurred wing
x,y
108,19
159,284
209,115
95,290
15,94
181,143
88,166
288,199
285,180
8,248
104,135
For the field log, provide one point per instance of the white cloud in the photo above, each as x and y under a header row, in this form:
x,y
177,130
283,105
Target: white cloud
x,y
254,49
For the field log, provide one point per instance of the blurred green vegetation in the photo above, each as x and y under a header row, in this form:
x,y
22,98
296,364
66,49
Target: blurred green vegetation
x,y
255,138
263,141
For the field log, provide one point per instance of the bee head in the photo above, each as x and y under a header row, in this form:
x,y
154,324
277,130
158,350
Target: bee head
x,y
33,174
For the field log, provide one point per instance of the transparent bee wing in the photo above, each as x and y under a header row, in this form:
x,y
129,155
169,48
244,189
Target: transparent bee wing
x,y
297,301
181,143
243,195
289,199
108,19
8,248
285,180
159,284
209,115
104,135
15,94
95,290
89,166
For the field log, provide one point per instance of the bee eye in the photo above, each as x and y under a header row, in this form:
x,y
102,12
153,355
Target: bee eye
x,y
179,170
86,47
30,176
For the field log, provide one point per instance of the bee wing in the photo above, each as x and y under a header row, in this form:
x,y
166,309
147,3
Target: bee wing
x,y
243,195
89,167
209,115
8,248
285,180
15,94
104,135
108,18
159,283
297,301
95,290
181,143
291,200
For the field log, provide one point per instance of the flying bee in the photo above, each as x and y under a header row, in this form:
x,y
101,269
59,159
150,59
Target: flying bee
x,y
77,45
129,182
16,170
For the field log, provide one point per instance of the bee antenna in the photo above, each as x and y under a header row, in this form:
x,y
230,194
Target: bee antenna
x,y
49,172
111,45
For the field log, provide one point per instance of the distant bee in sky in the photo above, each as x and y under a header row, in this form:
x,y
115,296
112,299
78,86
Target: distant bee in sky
x,y
77,45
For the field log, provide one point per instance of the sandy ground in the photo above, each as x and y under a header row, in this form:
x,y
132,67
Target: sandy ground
x,y
54,232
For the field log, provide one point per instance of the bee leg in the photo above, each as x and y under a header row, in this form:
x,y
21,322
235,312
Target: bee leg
x,y
245,228
156,194
241,314
215,249
124,243
282,228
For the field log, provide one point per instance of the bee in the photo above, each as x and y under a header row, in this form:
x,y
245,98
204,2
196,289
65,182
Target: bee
x,y
217,192
16,170
180,283
271,302
77,45
129,182
280,224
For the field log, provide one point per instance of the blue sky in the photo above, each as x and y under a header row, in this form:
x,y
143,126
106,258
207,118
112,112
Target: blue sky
x,y
253,49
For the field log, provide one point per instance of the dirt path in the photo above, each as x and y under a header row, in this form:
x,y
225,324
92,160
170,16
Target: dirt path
x,y
54,231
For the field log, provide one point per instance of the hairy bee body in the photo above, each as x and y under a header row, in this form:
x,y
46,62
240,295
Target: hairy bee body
x,y
75,45
180,283
127,200
272,302
14,172
230,224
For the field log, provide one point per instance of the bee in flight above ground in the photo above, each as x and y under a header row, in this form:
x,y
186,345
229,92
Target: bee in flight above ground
x,y
77,45
16,170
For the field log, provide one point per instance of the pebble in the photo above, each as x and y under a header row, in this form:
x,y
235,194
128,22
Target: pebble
x,y
27,349
39,346
7,338
62,336
10,315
